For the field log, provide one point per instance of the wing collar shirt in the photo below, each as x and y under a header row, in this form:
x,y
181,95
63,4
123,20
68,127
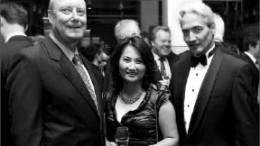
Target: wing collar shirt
x,y
70,54
194,81
166,64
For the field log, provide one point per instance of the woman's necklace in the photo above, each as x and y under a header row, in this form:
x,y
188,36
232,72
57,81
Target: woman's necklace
x,y
132,100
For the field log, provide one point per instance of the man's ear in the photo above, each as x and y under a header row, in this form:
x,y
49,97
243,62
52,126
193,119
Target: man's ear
x,y
152,43
251,47
25,27
212,27
50,16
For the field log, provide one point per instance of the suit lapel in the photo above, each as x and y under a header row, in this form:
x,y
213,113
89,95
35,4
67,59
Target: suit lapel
x,y
69,71
205,91
96,85
180,75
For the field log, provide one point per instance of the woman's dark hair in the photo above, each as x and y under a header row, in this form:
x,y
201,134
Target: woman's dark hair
x,y
146,55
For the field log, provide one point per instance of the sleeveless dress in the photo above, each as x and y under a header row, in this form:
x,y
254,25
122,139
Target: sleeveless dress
x,y
142,122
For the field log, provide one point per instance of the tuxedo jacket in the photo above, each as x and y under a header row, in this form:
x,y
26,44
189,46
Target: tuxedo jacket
x,y
7,53
226,111
50,103
172,58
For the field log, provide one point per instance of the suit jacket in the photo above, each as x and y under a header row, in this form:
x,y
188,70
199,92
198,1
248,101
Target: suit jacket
x,y
50,104
172,58
254,69
226,110
7,53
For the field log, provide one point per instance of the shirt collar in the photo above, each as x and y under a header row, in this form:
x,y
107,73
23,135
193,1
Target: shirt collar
x,y
155,56
14,34
251,56
65,50
207,53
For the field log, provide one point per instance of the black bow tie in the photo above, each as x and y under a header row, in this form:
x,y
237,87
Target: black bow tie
x,y
196,60
202,59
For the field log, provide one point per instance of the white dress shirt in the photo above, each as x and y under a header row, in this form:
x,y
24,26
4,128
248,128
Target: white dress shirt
x,y
194,82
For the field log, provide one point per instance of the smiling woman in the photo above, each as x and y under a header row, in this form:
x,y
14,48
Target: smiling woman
x,y
135,102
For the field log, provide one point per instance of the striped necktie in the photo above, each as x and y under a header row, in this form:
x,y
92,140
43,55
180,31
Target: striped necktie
x,y
85,77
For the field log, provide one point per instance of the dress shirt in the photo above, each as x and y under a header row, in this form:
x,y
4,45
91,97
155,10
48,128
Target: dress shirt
x,y
166,64
70,54
194,82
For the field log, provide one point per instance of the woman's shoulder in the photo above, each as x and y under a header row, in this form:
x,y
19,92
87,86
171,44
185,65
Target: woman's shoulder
x,y
158,96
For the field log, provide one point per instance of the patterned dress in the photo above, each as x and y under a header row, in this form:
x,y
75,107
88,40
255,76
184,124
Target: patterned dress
x,y
142,122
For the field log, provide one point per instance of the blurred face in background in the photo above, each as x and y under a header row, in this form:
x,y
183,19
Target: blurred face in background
x,y
162,43
68,19
197,33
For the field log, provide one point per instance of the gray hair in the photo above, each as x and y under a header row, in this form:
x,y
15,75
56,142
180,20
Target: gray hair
x,y
126,28
198,8
220,28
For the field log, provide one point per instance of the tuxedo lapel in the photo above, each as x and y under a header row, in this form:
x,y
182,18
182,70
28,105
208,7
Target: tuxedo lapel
x,y
69,71
205,91
180,75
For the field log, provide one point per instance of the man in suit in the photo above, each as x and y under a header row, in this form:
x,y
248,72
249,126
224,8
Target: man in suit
x,y
55,97
163,55
213,93
251,51
13,19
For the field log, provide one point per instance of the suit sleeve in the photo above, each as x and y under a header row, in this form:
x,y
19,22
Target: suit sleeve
x,y
25,102
246,108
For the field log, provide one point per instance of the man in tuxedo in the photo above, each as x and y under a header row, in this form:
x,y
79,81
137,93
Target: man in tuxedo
x,y
213,92
13,24
163,55
55,98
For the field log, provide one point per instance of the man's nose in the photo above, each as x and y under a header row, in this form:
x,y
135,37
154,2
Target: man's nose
x,y
191,37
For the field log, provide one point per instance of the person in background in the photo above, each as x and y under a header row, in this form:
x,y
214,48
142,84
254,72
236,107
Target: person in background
x,y
135,102
213,92
162,53
56,99
126,28
145,35
13,24
251,56
219,37
123,29
95,54
251,51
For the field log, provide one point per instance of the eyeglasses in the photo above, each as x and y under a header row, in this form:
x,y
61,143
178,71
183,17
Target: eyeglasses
x,y
69,11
